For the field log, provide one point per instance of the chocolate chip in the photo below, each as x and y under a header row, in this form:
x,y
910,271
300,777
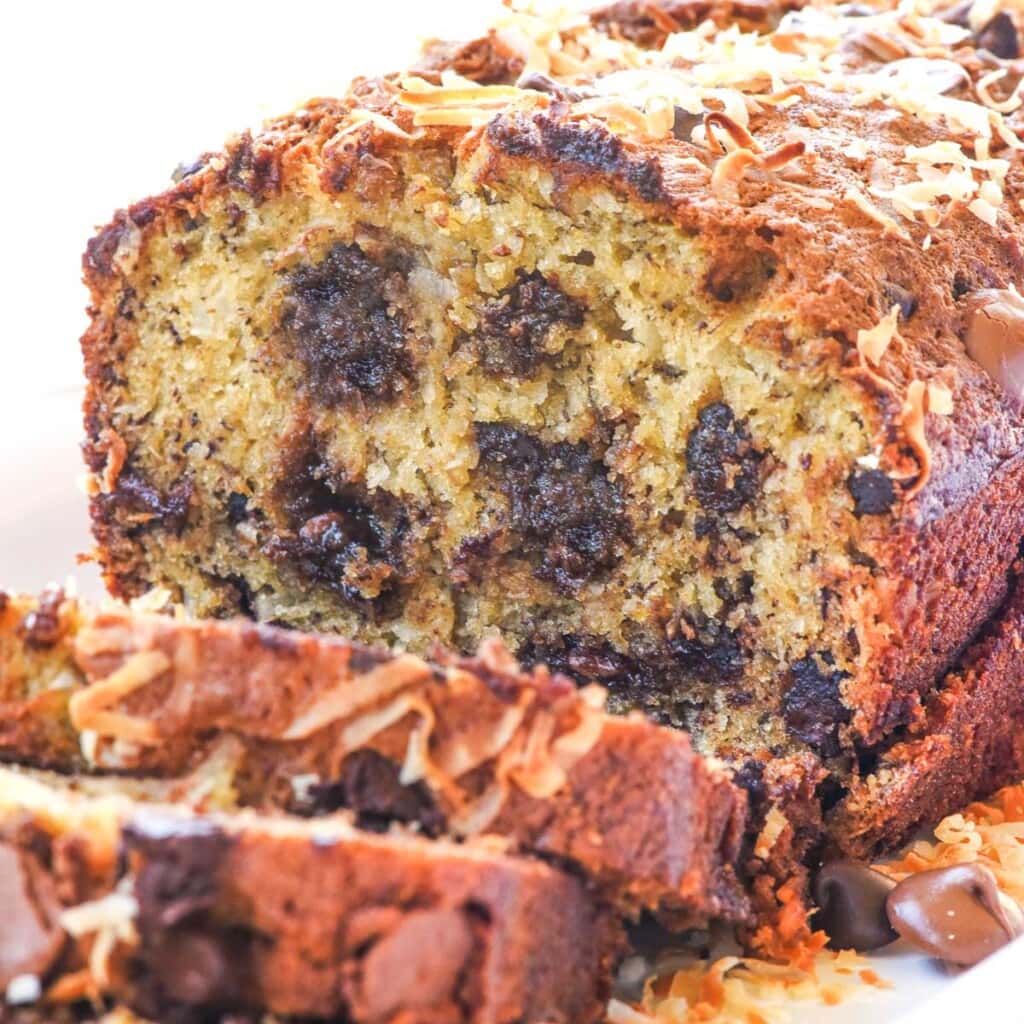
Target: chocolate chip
x,y
812,706
585,658
587,147
369,785
195,967
41,627
683,123
543,83
722,461
254,166
515,326
851,906
344,536
566,512
1000,37
896,295
180,860
954,913
138,502
31,938
186,170
340,318
733,593
872,490
995,338
707,647
238,508
652,672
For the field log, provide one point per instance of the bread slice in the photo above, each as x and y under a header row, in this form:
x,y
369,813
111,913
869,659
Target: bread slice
x,y
183,915
968,743
647,362
458,746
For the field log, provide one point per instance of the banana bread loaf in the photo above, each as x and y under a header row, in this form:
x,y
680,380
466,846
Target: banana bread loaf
x,y
184,915
311,724
686,361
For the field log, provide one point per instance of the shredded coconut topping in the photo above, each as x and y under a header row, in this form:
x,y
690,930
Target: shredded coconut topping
x,y
743,989
989,832
89,707
723,75
873,343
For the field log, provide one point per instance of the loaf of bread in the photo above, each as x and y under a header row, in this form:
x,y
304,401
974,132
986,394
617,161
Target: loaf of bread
x,y
188,916
462,747
686,360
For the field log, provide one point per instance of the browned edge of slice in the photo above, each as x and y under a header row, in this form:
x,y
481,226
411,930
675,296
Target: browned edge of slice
x,y
968,743
172,912
459,746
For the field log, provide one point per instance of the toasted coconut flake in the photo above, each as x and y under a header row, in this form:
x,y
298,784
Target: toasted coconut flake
x,y
116,911
984,211
873,343
984,84
88,708
111,919
538,774
775,824
356,694
868,208
454,91
618,114
474,818
783,155
417,764
989,832
360,118
912,423
154,601
571,747
729,171
362,729
741,138
940,399
471,748
451,117
740,989
117,452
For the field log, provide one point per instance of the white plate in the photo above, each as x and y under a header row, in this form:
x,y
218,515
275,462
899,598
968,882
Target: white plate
x,y
43,526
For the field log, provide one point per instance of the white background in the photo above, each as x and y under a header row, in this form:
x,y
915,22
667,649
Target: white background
x,y
100,101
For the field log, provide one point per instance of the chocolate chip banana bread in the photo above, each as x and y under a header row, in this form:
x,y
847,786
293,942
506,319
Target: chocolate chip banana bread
x,y
309,724
683,359
184,916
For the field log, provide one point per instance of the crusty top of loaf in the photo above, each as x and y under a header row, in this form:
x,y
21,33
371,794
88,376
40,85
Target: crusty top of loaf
x,y
870,157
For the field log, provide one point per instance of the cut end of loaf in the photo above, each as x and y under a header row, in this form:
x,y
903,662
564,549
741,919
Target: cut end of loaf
x,y
441,419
